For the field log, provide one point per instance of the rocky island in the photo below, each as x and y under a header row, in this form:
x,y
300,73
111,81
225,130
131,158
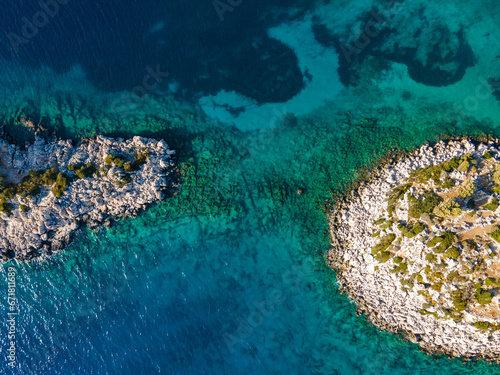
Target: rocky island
x,y
417,248
48,188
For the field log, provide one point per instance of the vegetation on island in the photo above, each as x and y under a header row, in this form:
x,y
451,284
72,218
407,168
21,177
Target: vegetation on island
x,y
447,213
32,184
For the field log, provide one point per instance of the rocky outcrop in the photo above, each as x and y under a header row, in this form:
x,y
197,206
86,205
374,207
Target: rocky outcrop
x,y
96,188
396,264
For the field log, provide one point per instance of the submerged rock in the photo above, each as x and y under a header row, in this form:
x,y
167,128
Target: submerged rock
x,y
51,187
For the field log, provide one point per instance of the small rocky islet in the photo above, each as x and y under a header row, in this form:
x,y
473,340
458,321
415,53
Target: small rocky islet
x,y
417,247
50,187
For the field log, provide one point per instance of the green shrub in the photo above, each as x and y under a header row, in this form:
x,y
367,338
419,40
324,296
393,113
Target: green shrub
x,y
124,181
487,155
384,243
466,189
376,234
496,235
453,253
451,165
418,228
24,208
424,204
444,241
86,171
379,221
489,281
407,282
484,326
58,192
114,159
397,260
80,173
5,207
493,205
398,192
141,157
62,182
430,257
436,275
383,256
451,276
409,230
483,297
386,225
9,192
31,184
404,229
437,286
396,269
434,241
109,159
449,208
411,199
422,175
127,167
72,167
391,209
459,303
49,176
425,312
448,183
496,177
134,166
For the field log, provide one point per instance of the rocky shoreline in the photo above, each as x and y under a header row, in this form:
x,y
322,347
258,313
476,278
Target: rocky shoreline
x,y
51,187
384,294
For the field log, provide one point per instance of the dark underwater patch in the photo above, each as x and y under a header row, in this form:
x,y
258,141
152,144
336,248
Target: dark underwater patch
x,y
447,54
115,41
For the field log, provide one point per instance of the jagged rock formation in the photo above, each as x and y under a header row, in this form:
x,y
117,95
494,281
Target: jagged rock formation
x,y
49,188
417,248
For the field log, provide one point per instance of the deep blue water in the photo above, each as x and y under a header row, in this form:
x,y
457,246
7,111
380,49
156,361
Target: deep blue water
x,y
115,40
230,277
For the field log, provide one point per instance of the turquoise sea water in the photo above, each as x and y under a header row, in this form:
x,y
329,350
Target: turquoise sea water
x,y
228,276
